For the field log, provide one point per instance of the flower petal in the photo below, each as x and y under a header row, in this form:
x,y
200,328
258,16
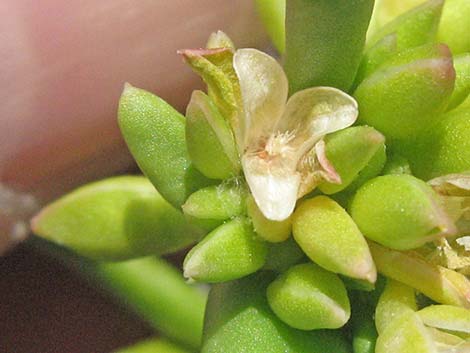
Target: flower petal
x,y
274,191
263,86
314,112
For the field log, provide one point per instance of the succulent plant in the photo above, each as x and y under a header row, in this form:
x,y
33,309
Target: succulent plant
x,y
324,193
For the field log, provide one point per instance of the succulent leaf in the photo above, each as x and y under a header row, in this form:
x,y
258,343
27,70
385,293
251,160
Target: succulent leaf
x,y
455,26
413,28
155,135
400,212
308,297
404,99
329,237
350,151
229,252
116,218
213,205
462,80
238,319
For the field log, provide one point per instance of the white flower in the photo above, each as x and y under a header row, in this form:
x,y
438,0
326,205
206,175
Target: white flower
x,y
280,140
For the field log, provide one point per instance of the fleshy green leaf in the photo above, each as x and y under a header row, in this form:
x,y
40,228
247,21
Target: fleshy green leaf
x,y
230,251
328,235
155,135
349,151
308,297
402,100
213,205
455,26
116,218
400,212
462,80
386,11
211,145
413,28
446,146
324,42
238,319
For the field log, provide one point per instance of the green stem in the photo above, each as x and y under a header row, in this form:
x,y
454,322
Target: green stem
x,y
159,294
152,287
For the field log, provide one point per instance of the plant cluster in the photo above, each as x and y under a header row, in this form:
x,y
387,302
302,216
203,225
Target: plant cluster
x,y
328,198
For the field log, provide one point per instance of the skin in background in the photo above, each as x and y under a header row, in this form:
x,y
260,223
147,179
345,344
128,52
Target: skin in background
x,y
62,68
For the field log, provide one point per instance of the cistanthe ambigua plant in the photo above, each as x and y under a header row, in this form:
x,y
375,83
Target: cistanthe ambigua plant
x,y
326,199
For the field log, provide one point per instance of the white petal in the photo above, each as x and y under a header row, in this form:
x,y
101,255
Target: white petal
x,y
264,87
275,192
314,112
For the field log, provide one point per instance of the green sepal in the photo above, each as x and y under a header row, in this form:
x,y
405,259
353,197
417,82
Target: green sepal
x,y
238,319
403,99
273,15
454,27
324,42
400,212
446,146
329,237
231,251
155,135
350,151
211,206
116,218
413,28
211,145
215,66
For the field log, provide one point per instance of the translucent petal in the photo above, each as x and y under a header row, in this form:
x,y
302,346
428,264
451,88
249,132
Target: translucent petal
x,y
452,184
314,112
264,88
274,190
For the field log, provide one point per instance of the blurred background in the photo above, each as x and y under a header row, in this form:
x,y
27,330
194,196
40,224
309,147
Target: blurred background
x,y
63,66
